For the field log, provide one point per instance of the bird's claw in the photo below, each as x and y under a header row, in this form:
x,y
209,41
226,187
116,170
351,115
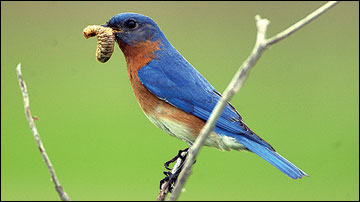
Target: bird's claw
x,y
167,163
172,177
166,178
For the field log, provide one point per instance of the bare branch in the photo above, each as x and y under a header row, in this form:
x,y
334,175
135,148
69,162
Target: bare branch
x,y
235,85
34,130
301,23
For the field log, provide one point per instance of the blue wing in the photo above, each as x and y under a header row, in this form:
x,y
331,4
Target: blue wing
x,y
178,83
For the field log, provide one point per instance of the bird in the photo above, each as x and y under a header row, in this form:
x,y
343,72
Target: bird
x,y
175,97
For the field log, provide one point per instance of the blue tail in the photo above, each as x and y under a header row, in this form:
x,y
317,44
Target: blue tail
x,y
272,157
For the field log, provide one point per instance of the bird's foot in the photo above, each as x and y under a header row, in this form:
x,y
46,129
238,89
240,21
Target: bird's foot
x,y
171,177
179,155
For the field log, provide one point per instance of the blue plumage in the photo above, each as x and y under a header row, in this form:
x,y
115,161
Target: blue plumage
x,y
267,154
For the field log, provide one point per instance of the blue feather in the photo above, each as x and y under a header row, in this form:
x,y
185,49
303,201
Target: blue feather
x,y
270,156
273,158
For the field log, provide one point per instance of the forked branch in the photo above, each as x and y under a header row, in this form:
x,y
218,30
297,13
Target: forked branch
x,y
236,83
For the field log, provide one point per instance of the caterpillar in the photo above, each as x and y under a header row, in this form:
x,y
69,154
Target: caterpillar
x,y
105,41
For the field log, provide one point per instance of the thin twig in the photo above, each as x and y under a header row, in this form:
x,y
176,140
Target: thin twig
x,y
163,192
235,85
63,195
301,23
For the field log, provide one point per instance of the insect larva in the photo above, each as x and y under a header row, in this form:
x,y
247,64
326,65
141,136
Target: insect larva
x,y
105,41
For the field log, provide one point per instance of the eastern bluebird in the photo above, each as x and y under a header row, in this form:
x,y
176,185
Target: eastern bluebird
x,y
177,98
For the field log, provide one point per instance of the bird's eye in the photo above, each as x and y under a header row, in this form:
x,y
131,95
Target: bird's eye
x,y
131,24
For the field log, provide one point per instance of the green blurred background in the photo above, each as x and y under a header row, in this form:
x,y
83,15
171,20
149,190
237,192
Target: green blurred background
x,y
302,97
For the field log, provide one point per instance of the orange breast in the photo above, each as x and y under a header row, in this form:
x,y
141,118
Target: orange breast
x,y
136,58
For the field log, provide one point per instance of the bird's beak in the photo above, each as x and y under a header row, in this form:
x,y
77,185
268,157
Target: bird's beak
x,y
114,28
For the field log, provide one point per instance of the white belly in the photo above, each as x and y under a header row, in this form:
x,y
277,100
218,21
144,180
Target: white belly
x,y
178,130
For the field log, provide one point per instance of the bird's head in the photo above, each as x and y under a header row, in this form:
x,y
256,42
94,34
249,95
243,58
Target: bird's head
x,y
133,28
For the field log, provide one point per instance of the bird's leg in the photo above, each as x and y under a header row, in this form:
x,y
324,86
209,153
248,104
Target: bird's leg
x,y
172,176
